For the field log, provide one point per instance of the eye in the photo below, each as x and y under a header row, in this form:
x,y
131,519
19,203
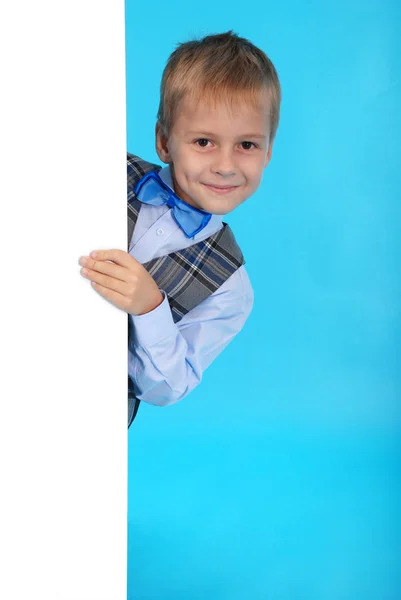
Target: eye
x,y
247,144
201,143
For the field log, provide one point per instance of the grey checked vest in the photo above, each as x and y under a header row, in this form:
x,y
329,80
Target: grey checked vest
x,y
187,276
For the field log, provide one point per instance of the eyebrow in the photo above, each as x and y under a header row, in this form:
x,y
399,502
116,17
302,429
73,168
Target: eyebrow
x,y
245,135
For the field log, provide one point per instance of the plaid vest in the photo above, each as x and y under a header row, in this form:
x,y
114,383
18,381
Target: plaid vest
x,y
187,276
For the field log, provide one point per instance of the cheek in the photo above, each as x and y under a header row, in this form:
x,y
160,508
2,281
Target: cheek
x,y
253,178
184,175
190,169
256,173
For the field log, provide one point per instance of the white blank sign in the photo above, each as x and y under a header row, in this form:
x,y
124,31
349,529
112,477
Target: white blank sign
x,y
63,409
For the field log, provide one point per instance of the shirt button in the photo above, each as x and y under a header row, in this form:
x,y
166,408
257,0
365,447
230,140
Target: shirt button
x,y
159,231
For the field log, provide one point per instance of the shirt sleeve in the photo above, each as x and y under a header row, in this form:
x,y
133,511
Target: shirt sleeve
x,y
166,360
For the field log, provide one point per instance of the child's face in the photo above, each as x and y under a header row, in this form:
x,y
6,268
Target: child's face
x,y
217,156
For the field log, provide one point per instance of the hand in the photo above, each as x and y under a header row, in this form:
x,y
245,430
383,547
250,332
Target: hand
x,y
122,280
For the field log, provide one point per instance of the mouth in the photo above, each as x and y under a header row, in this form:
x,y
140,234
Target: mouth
x,y
221,189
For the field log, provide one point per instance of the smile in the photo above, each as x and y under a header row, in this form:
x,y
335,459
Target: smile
x,y
221,189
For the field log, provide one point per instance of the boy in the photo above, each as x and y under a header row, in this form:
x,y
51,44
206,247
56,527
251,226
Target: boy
x,y
183,282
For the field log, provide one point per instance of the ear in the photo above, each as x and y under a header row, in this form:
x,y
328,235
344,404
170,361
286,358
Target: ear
x,y
162,144
268,156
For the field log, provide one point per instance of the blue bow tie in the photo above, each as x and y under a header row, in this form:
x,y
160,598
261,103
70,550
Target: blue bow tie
x,y
151,189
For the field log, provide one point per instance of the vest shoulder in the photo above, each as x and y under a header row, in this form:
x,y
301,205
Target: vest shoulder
x,y
137,167
224,239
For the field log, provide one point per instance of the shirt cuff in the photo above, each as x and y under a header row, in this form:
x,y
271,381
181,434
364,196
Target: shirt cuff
x,y
154,326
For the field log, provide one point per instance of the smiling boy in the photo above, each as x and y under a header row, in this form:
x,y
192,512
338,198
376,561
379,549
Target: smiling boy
x,y
183,282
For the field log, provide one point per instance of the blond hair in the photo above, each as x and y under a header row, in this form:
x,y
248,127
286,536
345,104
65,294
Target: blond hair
x,y
221,67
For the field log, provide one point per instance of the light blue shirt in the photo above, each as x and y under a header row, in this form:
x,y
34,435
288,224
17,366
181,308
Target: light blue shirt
x,y
168,359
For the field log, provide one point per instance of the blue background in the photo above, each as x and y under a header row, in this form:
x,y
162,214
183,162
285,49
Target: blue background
x,y
278,478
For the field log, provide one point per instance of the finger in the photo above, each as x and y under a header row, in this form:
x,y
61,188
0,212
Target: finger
x,y
111,296
107,268
118,256
106,281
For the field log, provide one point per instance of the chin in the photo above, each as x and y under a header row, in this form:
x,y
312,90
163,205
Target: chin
x,y
218,209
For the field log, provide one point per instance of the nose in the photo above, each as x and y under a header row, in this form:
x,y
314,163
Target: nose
x,y
223,163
